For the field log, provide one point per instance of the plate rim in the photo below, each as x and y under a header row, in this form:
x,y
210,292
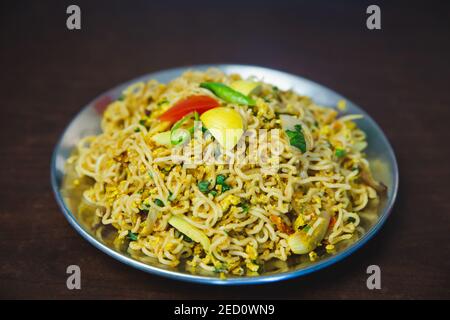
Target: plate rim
x,y
244,280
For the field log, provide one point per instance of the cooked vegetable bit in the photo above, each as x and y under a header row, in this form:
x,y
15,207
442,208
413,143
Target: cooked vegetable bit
x,y
340,153
307,239
203,186
245,206
296,138
132,236
220,180
159,203
190,231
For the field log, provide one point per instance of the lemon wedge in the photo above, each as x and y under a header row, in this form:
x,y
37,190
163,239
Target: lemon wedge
x,y
245,87
225,124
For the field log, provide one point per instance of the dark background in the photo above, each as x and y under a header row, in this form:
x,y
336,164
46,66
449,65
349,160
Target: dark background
x,y
399,74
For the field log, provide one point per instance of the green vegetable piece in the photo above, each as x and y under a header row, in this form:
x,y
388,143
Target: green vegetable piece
x,y
132,236
180,136
163,101
220,179
340,153
159,203
222,268
213,192
203,186
226,93
218,270
296,138
244,205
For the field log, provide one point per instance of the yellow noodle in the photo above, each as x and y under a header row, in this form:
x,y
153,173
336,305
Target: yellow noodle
x,y
130,172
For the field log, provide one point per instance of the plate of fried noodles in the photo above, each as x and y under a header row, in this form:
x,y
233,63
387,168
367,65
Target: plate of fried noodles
x,y
225,174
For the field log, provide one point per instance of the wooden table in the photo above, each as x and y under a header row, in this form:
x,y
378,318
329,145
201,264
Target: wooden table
x,y
399,74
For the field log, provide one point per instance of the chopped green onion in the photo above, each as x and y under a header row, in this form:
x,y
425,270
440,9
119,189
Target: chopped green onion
x,y
244,205
179,136
340,153
163,101
180,122
132,236
159,203
220,269
213,192
220,180
167,170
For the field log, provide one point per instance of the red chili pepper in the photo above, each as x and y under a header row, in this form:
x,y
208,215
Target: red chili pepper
x,y
199,104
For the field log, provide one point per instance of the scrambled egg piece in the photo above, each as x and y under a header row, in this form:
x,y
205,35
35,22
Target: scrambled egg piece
x,y
228,201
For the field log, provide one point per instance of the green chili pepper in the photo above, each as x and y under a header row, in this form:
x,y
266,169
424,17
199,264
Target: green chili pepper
x,y
226,93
